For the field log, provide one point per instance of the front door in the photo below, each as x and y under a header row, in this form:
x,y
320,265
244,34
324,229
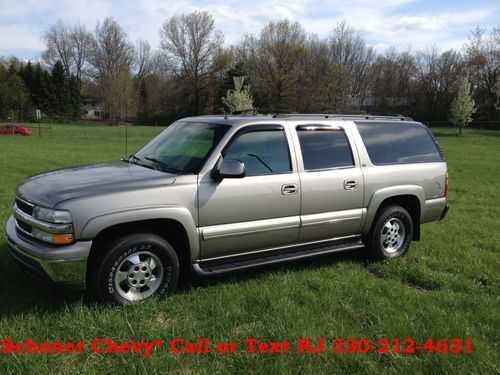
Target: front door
x,y
258,211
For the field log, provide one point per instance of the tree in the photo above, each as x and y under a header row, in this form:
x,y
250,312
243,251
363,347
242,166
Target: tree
x,y
60,103
482,54
111,49
347,48
497,91
142,64
240,99
274,62
15,97
463,107
111,59
438,75
81,41
193,49
58,46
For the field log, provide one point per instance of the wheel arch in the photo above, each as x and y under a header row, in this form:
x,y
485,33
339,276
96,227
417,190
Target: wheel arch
x,y
411,198
179,230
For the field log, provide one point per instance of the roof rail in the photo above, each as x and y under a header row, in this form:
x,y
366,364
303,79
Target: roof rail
x,y
344,116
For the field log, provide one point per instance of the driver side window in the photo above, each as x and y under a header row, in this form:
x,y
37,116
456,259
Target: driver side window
x,y
263,152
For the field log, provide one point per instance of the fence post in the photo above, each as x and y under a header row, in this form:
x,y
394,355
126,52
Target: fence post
x,y
39,130
126,139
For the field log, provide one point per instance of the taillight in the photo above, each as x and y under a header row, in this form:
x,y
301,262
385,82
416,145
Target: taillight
x,y
446,184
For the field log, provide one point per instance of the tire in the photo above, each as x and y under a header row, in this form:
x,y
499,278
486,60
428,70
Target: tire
x,y
391,233
136,267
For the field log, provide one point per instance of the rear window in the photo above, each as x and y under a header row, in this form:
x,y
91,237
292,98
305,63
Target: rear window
x,y
399,143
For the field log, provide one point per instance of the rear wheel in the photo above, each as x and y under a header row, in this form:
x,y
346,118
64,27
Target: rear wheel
x,y
137,267
391,233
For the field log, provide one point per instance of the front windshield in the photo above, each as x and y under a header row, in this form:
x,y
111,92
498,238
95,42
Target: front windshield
x,y
183,147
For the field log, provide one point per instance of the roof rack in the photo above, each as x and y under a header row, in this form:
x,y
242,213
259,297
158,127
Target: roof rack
x,y
343,116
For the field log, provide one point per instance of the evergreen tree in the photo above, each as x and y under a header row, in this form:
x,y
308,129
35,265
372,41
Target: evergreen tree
x,y
240,99
142,111
74,98
60,101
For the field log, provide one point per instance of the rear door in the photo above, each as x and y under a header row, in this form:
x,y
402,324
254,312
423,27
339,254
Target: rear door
x,y
331,182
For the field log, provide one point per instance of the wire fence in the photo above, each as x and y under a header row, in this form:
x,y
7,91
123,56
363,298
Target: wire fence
x,y
127,133
478,126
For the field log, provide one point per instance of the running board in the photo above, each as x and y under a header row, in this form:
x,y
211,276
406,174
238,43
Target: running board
x,y
282,255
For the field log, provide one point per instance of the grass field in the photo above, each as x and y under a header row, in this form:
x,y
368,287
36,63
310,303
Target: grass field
x,y
448,286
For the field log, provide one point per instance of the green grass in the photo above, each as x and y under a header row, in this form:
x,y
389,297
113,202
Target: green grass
x,y
447,286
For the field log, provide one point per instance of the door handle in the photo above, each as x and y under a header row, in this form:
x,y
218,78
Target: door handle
x,y
289,189
350,184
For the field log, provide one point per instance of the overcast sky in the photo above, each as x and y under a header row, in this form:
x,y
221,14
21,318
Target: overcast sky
x,y
400,23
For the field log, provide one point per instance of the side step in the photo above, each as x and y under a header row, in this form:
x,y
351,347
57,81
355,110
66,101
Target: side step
x,y
281,255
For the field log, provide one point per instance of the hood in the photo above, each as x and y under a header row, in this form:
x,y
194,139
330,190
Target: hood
x,y
51,188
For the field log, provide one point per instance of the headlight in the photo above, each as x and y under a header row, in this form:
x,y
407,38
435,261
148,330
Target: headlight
x,y
52,216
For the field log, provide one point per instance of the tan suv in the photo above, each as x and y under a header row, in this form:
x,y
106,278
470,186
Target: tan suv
x,y
217,194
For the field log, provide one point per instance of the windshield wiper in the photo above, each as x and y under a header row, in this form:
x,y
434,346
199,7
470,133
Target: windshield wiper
x,y
163,165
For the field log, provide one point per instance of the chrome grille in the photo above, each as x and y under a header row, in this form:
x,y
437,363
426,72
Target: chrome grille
x,y
26,227
25,206
25,221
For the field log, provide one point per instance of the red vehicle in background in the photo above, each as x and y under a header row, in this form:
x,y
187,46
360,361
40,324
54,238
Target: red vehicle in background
x,y
14,129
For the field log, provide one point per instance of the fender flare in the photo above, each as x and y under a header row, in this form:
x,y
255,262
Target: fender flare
x,y
180,214
380,195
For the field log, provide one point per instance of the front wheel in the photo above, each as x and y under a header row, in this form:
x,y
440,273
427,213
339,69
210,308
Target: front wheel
x,y
137,267
391,233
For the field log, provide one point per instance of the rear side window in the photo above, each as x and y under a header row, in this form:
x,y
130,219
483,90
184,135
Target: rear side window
x,y
324,148
399,143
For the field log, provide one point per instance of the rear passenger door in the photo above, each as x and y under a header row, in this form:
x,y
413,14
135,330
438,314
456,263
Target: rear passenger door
x,y
331,182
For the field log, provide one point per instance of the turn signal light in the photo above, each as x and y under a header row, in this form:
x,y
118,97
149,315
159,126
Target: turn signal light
x,y
62,239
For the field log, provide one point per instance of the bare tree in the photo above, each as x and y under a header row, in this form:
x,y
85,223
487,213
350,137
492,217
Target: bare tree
x,y
111,59
392,78
274,62
81,42
482,53
111,49
347,48
193,48
58,45
143,59
438,75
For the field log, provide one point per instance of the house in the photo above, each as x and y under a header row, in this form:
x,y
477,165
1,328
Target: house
x,y
92,110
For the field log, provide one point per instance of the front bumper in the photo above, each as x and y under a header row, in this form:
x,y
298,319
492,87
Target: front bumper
x,y
65,265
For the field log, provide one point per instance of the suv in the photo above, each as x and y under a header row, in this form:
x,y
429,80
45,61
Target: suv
x,y
219,193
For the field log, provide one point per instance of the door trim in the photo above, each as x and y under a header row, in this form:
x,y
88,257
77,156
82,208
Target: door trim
x,y
249,227
332,217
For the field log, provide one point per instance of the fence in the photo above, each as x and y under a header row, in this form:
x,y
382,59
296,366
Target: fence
x,y
481,127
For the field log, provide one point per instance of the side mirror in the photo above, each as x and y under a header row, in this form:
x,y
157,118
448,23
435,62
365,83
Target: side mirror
x,y
228,168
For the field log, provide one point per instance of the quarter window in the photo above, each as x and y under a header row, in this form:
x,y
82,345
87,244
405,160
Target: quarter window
x,y
263,152
324,148
398,142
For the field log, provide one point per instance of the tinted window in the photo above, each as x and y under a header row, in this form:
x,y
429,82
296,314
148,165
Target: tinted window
x,y
398,142
324,149
263,152
183,146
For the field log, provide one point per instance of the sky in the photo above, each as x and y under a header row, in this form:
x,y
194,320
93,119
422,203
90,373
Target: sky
x,y
414,24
